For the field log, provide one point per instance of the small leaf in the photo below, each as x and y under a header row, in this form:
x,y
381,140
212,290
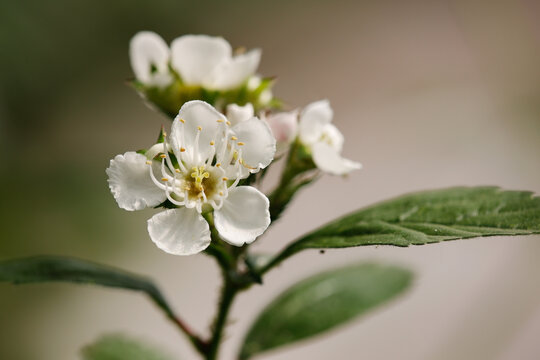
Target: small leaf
x,y
62,269
119,347
428,217
322,302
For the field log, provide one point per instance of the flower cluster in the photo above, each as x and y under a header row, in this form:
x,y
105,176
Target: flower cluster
x,y
202,174
196,67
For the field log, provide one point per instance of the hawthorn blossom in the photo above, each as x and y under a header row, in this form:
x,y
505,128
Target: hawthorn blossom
x,y
198,171
149,56
323,139
208,61
199,60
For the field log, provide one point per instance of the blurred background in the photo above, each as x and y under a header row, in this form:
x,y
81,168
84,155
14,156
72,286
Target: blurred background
x,y
428,93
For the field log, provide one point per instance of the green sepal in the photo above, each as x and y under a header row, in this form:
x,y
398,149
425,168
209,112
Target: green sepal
x,y
161,136
169,99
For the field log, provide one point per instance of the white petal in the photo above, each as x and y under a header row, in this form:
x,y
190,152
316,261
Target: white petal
x,y
329,160
243,217
131,184
179,231
313,119
259,143
195,57
146,49
196,114
160,79
236,114
333,137
233,72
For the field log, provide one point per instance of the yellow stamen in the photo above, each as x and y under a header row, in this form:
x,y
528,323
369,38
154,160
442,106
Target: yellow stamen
x,y
182,149
163,156
199,174
224,179
212,143
182,121
148,162
164,179
199,128
240,143
234,138
228,123
220,120
218,164
246,165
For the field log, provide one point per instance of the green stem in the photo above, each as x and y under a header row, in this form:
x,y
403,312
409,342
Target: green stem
x,y
195,340
294,176
227,296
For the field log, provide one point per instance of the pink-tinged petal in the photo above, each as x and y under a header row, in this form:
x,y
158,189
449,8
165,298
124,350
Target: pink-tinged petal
x,y
284,126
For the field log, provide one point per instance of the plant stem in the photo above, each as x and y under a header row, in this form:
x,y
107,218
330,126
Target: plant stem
x,y
227,296
292,179
195,340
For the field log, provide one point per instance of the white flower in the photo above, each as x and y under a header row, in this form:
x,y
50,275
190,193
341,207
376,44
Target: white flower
x,y
323,139
149,55
284,126
209,62
200,60
199,169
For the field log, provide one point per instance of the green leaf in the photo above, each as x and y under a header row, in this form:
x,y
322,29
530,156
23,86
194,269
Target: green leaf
x,y
62,269
322,302
119,347
428,217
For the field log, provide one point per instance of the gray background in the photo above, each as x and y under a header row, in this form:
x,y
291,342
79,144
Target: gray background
x,y
429,94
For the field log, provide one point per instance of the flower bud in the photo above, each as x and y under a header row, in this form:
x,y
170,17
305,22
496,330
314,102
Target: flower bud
x,y
284,126
237,114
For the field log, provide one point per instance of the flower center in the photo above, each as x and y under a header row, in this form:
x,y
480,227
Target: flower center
x,y
325,137
200,183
